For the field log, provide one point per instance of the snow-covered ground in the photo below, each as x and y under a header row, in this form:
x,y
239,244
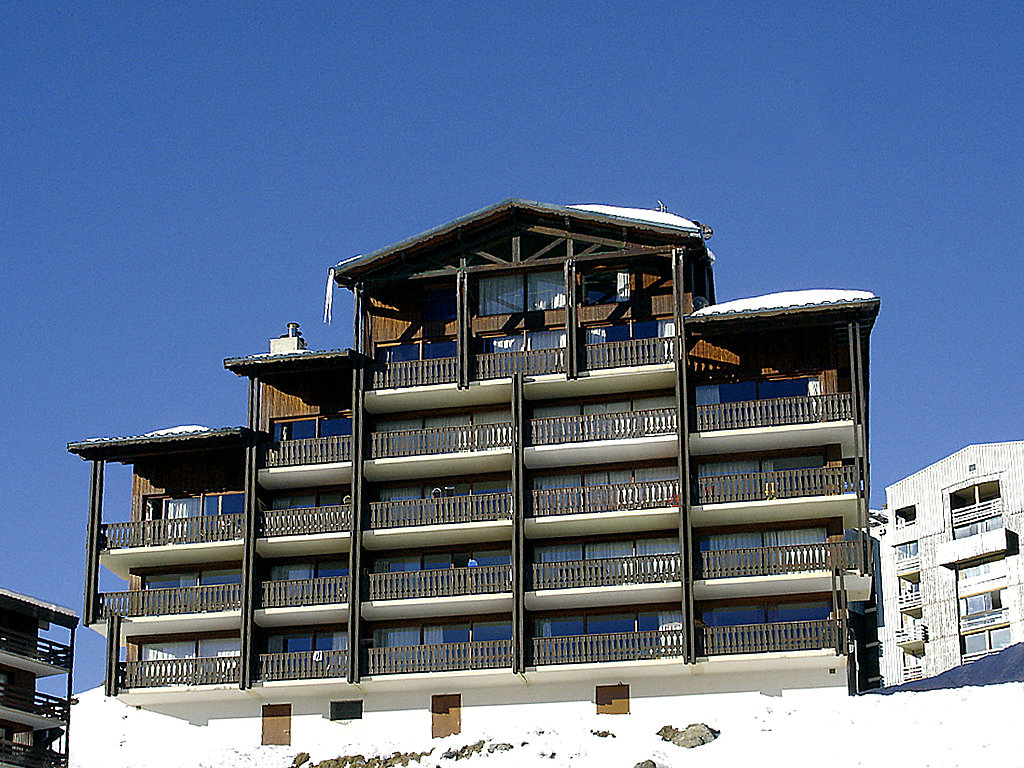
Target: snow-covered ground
x,y
957,727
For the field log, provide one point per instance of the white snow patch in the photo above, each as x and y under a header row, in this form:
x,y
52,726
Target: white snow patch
x,y
786,299
184,429
664,218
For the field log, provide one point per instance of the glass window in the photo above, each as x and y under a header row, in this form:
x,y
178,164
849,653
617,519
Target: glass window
x,y
400,353
605,287
737,392
560,626
212,578
999,638
301,429
558,553
992,570
221,646
436,561
434,350
779,464
500,295
446,633
611,622
180,649
439,305
991,524
668,545
903,551
545,290
720,542
976,643
648,621
603,550
645,329
492,630
170,580
331,568
396,637
768,390
291,572
732,616
492,557
294,502
335,426
232,503
546,339
494,344
397,564
178,508
798,611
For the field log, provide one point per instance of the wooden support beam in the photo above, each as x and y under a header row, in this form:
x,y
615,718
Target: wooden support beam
x,y
490,257
572,341
111,679
520,500
550,246
90,611
463,337
251,583
852,333
355,555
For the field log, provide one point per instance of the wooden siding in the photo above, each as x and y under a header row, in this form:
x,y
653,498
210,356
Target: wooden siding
x,y
186,474
768,354
309,395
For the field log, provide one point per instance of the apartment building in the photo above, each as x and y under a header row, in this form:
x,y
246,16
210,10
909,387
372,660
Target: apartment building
x,y
952,579
36,642
551,472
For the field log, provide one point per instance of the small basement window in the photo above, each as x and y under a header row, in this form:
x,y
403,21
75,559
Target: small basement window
x,y
346,710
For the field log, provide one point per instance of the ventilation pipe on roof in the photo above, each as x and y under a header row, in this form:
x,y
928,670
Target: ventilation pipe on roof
x,y
290,341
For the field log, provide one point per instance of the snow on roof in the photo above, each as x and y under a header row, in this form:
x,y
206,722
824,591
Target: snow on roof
x,y
664,218
785,300
185,429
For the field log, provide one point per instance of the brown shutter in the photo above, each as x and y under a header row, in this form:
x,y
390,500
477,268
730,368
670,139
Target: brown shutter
x,y
277,724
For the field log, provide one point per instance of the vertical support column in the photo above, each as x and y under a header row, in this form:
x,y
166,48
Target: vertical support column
x,y
572,341
90,612
358,326
111,679
862,395
355,554
683,458
519,511
853,341
462,335
71,689
250,532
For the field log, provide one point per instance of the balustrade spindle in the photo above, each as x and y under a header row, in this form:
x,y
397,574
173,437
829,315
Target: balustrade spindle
x,y
775,412
446,582
441,511
334,518
605,498
625,425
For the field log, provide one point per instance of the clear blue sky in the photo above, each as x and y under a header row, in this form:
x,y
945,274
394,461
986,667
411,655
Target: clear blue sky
x,y
175,180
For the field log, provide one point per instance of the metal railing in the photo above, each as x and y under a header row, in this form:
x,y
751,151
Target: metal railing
x,y
27,756
214,670
991,618
176,600
415,373
624,425
334,518
433,440
910,564
308,450
767,638
303,665
916,633
35,703
36,648
629,353
607,572
977,512
500,365
610,646
447,582
328,590
912,672
782,484
442,657
909,601
775,412
612,497
178,530
769,561
444,510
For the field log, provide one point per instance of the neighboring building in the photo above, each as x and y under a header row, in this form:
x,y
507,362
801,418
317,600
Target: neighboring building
x,y
515,490
33,724
951,574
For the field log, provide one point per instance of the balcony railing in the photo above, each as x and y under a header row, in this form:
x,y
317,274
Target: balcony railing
x,y
610,646
912,672
977,512
783,484
167,602
308,450
775,412
35,703
608,572
446,657
629,354
909,564
434,440
329,590
180,530
335,518
605,498
625,425
445,510
303,665
912,635
770,561
447,582
26,756
415,373
982,620
500,365
909,601
36,648
215,670
768,638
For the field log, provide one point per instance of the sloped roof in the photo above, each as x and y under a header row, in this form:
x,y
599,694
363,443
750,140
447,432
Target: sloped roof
x,y
158,441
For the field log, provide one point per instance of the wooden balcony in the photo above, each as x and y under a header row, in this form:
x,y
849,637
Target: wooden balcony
x,y
170,602
415,373
446,657
977,512
446,510
991,618
912,672
25,756
613,497
336,518
181,530
910,602
502,365
330,590
771,561
303,665
776,412
438,440
626,425
912,638
769,638
447,582
628,354
908,565
218,670
608,572
35,703
311,450
34,648
784,484
611,646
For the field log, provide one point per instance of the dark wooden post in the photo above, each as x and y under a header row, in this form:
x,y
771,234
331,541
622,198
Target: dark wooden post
x,y
462,335
862,395
250,532
358,307
70,690
572,348
853,341
355,555
519,509
111,680
92,544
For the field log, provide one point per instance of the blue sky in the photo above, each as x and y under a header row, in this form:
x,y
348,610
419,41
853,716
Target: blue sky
x,y
176,179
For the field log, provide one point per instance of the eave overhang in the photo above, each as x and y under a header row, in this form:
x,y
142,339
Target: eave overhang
x,y
37,609
129,449
863,311
293,362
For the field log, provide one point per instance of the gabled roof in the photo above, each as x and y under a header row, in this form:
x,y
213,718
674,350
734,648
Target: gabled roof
x,y
666,227
161,441
790,305
302,361
37,609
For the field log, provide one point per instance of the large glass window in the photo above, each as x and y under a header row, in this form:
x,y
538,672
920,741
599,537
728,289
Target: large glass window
x,y
500,295
907,550
314,426
545,290
740,391
439,305
606,287
982,526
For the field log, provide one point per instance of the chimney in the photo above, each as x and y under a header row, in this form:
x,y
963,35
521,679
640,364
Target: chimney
x,y
290,341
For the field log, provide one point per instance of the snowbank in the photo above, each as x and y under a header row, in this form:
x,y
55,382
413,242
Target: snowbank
x,y
663,218
785,300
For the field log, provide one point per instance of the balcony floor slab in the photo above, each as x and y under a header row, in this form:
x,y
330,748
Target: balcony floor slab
x,y
306,475
184,623
13,715
774,438
858,587
36,667
467,678
296,615
308,544
600,451
621,594
426,535
777,510
605,381
436,465
438,396
417,607
121,561
660,519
